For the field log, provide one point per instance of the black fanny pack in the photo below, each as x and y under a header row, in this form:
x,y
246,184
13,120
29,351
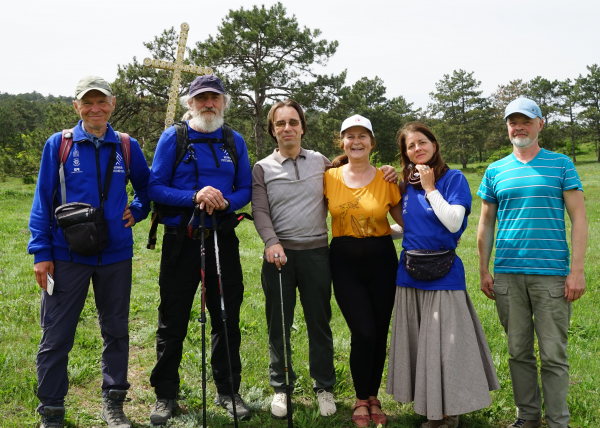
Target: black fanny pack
x,y
427,265
84,226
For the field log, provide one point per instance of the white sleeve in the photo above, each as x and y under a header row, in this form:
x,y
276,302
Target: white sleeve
x,y
451,216
397,232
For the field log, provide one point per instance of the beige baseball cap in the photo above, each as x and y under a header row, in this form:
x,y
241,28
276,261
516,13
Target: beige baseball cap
x,y
90,83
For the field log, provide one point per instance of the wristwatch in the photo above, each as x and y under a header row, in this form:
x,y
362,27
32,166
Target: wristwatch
x,y
226,205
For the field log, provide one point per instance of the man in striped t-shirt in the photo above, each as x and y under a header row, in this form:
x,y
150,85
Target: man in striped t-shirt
x,y
527,193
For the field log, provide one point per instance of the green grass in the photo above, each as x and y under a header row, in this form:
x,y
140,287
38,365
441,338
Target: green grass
x,y
20,334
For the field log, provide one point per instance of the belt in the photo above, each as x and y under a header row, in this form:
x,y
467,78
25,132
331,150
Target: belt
x,y
195,232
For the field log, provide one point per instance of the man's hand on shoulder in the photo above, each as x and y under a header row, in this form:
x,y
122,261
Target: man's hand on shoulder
x,y
41,270
487,285
389,173
574,285
128,216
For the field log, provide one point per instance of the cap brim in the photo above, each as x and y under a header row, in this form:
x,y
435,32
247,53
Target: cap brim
x,y
104,91
199,91
525,112
350,126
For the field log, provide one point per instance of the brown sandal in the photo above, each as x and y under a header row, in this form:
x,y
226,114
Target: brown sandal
x,y
378,419
362,421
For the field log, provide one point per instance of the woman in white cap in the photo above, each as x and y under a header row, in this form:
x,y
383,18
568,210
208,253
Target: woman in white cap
x,y
439,357
363,259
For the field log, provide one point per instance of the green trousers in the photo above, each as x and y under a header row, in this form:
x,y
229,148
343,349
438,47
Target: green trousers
x,y
309,272
528,304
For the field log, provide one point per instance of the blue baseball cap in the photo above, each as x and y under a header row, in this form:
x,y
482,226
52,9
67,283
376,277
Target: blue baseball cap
x,y
524,106
206,83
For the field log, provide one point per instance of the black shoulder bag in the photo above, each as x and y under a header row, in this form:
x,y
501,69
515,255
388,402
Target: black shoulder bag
x,y
84,226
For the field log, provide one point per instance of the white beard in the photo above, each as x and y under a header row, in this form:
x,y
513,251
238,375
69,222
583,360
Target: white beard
x,y
522,142
207,122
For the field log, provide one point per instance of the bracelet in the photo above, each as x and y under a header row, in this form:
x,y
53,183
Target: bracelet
x,y
194,197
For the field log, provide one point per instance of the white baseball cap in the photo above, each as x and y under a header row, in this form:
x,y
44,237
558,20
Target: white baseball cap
x,y
357,120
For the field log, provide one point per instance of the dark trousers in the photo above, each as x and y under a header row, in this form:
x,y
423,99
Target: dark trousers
x,y
59,316
364,274
307,270
178,282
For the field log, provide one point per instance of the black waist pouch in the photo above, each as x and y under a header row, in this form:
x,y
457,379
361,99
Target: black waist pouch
x,y
230,221
85,229
427,265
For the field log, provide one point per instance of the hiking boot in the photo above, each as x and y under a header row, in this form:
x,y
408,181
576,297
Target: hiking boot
x,y
326,403
53,417
522,423
112,409
241,408
163,411
279,405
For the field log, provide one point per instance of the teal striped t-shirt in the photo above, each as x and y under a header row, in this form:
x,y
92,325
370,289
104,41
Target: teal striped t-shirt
x,y
531,237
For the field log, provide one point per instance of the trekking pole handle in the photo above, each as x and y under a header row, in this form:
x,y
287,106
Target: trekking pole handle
x,y
202,216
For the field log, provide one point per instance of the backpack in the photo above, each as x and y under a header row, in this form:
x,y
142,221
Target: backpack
x,y
159,211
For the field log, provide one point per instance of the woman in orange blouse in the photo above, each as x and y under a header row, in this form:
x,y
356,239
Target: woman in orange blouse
x,y
363,259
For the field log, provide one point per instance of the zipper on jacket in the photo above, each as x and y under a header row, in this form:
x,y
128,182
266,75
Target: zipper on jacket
x,y
296,169
99,191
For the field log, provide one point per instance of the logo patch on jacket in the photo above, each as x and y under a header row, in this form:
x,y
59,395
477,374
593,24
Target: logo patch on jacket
x,y
226,157
119,164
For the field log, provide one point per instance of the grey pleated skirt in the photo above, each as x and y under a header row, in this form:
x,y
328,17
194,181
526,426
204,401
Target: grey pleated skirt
x,y
439,356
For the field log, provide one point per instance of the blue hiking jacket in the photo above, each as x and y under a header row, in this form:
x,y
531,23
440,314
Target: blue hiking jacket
x,y
177,190
85,171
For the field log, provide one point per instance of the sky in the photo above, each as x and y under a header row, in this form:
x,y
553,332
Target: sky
x,y
48,46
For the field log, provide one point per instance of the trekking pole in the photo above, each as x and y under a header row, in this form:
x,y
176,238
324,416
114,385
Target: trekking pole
x,y
201,213
213,225
288,387
203,313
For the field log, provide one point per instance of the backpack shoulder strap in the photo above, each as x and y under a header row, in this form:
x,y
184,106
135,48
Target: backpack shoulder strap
x,y
229,143
158,210
63,153
183,142
125,141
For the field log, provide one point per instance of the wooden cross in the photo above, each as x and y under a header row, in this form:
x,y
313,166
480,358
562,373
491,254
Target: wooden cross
x,y
177,68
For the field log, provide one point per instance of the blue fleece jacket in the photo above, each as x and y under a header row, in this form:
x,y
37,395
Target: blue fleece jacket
x,y
85,171
177,190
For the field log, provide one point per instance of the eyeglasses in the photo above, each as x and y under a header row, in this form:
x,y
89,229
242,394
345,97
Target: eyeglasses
x,y
282,123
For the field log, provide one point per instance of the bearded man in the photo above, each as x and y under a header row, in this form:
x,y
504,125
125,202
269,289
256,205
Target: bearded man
x,y
207,175
533,285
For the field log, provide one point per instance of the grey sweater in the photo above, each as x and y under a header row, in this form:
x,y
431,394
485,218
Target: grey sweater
x,y
287,200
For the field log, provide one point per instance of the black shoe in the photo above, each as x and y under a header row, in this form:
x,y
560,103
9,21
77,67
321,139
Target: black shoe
x,y
241,408
163,410
53,417
112,409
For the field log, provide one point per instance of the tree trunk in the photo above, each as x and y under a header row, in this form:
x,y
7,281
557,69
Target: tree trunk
x,y
463,161
573,144
258,132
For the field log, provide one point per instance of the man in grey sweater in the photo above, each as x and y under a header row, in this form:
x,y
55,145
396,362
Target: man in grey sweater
x,y
290,216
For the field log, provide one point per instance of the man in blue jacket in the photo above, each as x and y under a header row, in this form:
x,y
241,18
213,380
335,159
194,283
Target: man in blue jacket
x,y
85,172
207,176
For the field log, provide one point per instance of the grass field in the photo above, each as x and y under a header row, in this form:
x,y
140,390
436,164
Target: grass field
x,y
20,334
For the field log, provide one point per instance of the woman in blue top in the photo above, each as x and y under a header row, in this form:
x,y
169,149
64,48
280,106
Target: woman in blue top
x,y
439,357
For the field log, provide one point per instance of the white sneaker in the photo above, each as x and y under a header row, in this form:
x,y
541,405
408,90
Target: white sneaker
x,y
326,403
279,405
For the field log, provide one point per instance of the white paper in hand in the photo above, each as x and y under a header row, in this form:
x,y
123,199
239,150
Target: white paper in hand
x,y
49,284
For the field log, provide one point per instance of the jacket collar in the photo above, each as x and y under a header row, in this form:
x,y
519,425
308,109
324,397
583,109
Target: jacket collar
x,y
79,134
